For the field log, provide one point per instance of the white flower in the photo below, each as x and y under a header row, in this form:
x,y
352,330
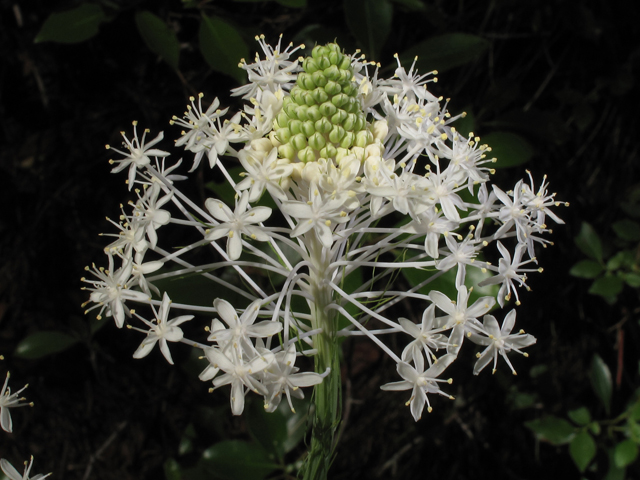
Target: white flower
x,y
10,400
197,122
162,330
148,213
139,153
319,214
432,226
13,474
242,328
239,373
111,291
427,336
281,377
538,202
263,170
461,254
500,341
508,272
272,73
462,318
237,223
409,85
421,382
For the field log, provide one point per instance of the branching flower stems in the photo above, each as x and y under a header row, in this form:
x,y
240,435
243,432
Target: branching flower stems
x,y
348,180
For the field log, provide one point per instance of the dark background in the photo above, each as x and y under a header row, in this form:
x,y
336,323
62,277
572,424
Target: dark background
x,y
560,73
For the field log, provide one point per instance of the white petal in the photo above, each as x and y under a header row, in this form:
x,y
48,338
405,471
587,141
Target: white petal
x,y
226,312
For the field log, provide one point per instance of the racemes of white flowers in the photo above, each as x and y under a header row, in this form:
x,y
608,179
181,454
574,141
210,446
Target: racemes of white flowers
x,y
338,180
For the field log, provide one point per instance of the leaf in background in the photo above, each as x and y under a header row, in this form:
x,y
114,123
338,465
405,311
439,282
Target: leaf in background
x,y
446,283
224,190
600,377
296,422
625,453
72,26
269,429
607,287
222,47
580,416
589,243
445,52
172,469
632,279
41,344
509,148
552,429
160,39
586,269
614,472
370,23
627,230
544,126
237,460
582,449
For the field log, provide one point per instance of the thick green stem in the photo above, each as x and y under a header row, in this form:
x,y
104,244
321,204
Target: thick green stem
x,y
327,395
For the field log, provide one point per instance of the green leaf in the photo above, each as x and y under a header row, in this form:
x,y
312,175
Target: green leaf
x,y
237,460
627,230
509,148
41,344
72,26
614,472
580,416
616,261
632,279
222,46
446,283
269,429
608,286
586,269
293,3
554,430
160,39
445,52
589,243
625,453
595,428
370,23
297,422
172,469
600,377
582,449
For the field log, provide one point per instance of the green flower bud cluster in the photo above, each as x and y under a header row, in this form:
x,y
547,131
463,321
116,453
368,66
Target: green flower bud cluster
x,y
322,114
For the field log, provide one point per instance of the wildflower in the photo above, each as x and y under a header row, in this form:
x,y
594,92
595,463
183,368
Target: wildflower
x,y
10,400
162,331
139,153
500,341
236,223
421,382
13,474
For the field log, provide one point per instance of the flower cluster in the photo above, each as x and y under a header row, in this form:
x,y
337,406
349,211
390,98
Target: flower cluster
x,y
344,175
12,400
